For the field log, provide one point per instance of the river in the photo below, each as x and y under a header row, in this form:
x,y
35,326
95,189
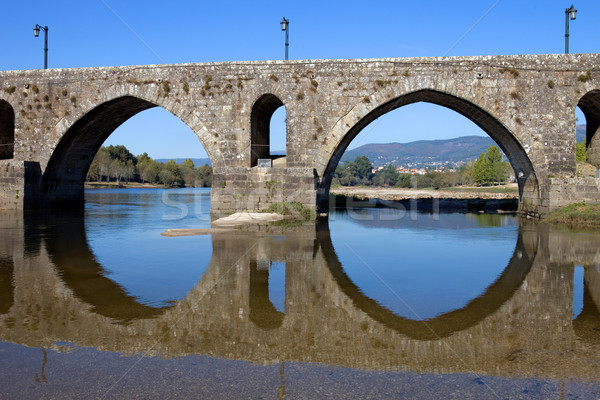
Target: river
x,y
369,303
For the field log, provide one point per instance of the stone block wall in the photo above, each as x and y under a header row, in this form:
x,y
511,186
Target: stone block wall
x,y
251,189
12,182
559,192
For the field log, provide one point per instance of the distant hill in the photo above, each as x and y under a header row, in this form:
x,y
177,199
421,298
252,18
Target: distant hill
x,y
422,152
197,161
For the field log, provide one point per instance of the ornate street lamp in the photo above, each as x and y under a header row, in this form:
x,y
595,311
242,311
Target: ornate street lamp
x,y
36,33
285,26
569,13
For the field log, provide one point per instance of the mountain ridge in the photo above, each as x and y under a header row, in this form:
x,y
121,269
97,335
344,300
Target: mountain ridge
x,y
420,152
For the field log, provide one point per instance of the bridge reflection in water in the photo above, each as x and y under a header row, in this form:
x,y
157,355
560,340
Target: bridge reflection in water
x,y
52,289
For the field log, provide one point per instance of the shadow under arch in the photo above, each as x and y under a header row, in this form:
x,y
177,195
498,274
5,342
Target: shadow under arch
x,y
7,130
499,133
7,287
62,180
445,324
260,127
68,248
589,104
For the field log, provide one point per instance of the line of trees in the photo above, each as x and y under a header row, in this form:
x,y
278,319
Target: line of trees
x,y
118,164
488,169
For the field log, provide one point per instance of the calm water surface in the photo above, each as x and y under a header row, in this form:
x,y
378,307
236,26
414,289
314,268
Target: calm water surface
x,y
371,303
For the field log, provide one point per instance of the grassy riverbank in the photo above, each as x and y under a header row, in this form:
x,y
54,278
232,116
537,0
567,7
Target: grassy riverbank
x,y
576,215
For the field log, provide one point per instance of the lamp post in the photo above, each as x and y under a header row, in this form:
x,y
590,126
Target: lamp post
x,y
570,13
36,33
285,26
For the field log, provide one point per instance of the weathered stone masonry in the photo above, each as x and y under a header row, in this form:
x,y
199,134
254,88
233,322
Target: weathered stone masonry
x,y
52,122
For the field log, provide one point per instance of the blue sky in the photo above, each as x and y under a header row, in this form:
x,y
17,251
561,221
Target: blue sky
x,y
90,33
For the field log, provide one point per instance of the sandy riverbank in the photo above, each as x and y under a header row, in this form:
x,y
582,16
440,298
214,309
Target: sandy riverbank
x,y
122,185
398,194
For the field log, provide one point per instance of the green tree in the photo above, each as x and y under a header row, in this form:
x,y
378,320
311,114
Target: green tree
x,y
386,176
404,181
143,157
116,170
205,175
363,169
359,171
188,163
489,167
581,154
166,177
100,167
148,169
482,172
170,174
121,153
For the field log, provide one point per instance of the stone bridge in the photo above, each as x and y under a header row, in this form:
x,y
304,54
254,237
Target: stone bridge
x,y
52,122
46,298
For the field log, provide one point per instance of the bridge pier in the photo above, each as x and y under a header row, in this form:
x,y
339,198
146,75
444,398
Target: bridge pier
x,y
255,189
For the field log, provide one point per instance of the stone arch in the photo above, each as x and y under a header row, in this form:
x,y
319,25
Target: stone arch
x,y
444,325
589,104
7,130
517,156
65,172
260,119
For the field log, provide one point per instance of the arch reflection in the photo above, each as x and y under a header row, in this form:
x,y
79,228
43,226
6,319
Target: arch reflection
x,y
447,323
262,311
587,323
67,245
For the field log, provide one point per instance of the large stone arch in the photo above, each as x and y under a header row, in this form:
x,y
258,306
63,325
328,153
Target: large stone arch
x,y
7,130
346,132
63,177
590,106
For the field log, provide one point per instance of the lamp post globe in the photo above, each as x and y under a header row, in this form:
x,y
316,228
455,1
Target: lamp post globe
x,y
570,13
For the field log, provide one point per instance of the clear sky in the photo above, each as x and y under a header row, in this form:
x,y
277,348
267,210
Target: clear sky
x,y
90,33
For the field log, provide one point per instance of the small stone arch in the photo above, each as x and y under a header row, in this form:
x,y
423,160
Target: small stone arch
x,y
589,104
260,119
524,171
7,130
64,175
